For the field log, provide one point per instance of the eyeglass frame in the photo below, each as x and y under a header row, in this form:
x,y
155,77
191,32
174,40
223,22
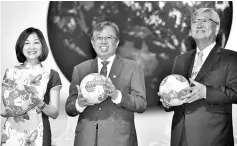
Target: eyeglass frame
x,y
201,20
100,39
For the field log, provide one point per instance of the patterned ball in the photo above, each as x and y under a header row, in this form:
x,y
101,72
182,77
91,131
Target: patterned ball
x,y
17,99
92,88
173,86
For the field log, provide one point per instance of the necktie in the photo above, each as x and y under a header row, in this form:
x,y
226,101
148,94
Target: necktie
x,y
197,66
103,70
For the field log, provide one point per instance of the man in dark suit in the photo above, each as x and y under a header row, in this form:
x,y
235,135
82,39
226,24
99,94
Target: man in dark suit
x,y
111,122
204,116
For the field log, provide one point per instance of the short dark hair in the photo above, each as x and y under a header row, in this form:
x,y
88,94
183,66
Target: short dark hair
x,y
21,41
100,27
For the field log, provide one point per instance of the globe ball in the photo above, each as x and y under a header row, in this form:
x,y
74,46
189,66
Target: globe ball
x,y
92,88
17,99
172,87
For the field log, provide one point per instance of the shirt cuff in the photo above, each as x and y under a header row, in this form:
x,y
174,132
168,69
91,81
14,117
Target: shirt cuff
x,y
205,92
118,99
80,109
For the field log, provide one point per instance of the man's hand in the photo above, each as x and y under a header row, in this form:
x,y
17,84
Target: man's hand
x,y
110,89
81,100
198,91
172,102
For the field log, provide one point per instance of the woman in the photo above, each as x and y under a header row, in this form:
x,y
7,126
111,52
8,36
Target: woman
x,y
28,124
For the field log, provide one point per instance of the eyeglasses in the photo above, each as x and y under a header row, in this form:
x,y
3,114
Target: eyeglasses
x,y
108,38
196,21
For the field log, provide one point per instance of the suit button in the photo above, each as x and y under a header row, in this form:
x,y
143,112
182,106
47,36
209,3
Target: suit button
x,y
100,109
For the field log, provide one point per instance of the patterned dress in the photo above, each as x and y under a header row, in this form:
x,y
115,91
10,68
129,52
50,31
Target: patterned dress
x,y
28,126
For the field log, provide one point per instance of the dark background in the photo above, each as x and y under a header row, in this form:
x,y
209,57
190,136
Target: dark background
x,y
152,33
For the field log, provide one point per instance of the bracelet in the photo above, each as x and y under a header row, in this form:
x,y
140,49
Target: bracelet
x,y
42,107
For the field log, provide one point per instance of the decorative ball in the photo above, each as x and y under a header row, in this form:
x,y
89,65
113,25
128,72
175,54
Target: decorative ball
x,y
172,86
17,99
92,88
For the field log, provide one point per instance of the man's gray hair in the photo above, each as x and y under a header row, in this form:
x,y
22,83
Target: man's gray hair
x,y
210,14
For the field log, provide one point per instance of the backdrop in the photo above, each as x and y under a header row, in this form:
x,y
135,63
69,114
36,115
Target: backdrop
x,y
16,16
151,33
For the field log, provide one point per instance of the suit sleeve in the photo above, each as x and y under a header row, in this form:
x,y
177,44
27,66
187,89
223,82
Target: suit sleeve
x,y
225,94
73,93
135,101
174,71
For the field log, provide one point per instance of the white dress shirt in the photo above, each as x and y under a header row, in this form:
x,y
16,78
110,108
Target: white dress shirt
x,y
205,52
109,66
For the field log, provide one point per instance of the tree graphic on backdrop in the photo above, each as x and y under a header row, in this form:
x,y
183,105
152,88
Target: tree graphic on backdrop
x,y
152,33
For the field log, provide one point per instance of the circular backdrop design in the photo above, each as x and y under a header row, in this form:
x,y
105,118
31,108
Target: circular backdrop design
x,y
152,33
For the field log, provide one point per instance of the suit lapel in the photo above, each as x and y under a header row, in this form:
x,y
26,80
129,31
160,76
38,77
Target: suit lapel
x,y
94,66
211,60
189,62
116,68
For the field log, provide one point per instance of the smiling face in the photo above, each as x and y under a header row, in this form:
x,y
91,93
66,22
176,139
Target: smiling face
x,y
204,28
32,48
105,42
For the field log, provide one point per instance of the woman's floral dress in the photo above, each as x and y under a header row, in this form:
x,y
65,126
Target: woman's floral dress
x,y
31,127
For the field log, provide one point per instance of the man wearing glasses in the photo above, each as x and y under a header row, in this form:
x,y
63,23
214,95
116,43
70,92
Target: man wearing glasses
x,y
111,122
204,117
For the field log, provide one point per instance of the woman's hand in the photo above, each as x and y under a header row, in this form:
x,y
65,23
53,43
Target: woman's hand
x,y
3,111
51,109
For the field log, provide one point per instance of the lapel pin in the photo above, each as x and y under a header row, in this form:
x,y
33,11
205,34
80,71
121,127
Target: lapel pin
x,y
114,76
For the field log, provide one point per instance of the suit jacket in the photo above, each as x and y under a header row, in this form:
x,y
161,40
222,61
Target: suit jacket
x,y
207,122
115,122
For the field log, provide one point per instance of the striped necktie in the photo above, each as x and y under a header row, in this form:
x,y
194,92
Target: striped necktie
x,y
197,66
103,70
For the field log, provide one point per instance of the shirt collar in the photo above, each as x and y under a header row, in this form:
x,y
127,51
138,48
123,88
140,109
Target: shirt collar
x,y
207,50
109,66
37,66
110,59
